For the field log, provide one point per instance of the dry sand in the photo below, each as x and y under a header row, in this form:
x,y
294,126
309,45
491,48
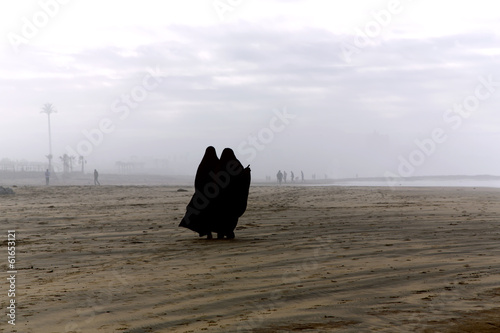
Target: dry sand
x,y
309,259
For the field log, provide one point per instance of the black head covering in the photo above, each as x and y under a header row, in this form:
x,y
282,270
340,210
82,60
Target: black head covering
x,y
208,164
229,160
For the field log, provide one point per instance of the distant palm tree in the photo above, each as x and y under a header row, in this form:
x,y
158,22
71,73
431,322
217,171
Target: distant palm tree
x,y
82,161
71,160
48,108
66,160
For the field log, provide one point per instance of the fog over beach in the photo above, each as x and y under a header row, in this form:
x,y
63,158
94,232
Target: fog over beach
x,y
372,88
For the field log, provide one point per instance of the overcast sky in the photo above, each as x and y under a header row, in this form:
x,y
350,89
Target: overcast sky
x,y
368,88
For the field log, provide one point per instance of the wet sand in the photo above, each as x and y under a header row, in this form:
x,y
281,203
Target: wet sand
x,y
309,259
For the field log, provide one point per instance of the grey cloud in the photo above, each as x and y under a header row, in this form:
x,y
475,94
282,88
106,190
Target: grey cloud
x,y
399,88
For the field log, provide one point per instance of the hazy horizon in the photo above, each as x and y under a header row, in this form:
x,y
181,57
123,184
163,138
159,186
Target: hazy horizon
x,y
368,88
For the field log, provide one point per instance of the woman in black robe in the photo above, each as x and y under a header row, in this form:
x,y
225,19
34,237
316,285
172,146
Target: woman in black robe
x,y
200,210
232,201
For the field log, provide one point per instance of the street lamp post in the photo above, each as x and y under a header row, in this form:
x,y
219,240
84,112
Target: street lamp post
x,y
48,108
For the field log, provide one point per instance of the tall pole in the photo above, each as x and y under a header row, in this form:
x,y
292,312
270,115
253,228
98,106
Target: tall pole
x,y
48,108
50,144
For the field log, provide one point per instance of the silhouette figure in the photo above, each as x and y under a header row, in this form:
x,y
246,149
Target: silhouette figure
x,y
279,175
284,176
233,198
96,177
292,177
200,213
47,177
302,175
221,194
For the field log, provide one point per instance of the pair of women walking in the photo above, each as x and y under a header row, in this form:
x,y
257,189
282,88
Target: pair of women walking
x,y
221,195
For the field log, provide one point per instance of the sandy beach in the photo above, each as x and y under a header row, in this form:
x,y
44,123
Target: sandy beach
x,y
305,259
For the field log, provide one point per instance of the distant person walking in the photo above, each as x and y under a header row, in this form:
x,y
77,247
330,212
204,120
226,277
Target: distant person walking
x,y
292,176
279,175
284,176
47,177
302,175
96,177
